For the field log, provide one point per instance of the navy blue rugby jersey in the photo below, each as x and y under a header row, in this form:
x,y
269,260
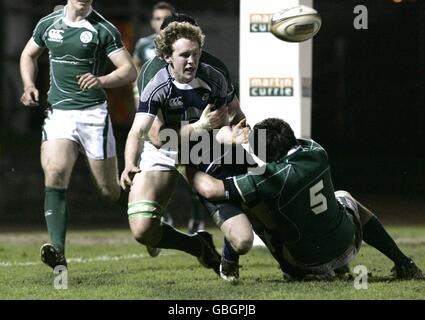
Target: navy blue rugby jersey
x,y
183,101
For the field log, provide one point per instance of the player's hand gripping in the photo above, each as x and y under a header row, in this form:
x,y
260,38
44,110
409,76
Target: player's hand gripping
x,y
211,119
240,132
127,177
30,96
88,81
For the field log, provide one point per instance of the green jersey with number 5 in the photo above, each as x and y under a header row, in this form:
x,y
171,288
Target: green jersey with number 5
x,y
76,48
295,199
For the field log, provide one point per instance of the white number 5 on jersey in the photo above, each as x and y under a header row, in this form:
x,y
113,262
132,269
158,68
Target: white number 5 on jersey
x,y
318,203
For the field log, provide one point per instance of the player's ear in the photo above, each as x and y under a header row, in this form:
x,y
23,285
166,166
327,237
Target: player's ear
x,y
167,58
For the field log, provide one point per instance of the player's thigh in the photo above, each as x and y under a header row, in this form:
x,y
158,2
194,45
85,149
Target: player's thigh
x,y
105,174
150,192
58,157
157,186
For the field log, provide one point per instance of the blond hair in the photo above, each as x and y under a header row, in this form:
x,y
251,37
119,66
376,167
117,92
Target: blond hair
x,y
174,31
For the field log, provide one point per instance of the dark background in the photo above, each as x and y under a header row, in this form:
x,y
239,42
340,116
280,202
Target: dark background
x,y
368,105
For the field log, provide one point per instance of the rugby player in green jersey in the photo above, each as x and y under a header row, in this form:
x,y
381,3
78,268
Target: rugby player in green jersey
x,y
145,47
311,230
79,41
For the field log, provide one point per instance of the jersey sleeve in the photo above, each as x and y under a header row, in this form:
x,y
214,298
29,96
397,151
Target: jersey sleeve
x,y
38,34
111,39
247,188
140,48
219,94
153,96
148,71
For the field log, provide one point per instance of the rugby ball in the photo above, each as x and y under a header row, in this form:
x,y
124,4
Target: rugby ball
x,y
296,24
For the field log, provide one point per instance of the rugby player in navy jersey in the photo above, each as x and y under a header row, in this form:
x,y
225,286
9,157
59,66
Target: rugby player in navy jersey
x,y
228,217
183,90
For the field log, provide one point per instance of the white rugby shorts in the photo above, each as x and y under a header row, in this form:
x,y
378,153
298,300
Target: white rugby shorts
x,y
91,128
154,159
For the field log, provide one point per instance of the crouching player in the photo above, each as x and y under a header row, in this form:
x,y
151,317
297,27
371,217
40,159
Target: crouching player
x,y
312,231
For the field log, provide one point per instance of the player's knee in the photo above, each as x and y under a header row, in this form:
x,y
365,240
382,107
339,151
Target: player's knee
x,y
55,176
147,237
110,192
242,243
145,220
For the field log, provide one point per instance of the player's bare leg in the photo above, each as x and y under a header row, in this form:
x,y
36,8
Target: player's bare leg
x,y
105,176
238,240
238,232
375,235
58,158
149,195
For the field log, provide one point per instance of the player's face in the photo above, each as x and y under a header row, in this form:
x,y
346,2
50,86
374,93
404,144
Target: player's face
x,y
158,16
184,60
80,5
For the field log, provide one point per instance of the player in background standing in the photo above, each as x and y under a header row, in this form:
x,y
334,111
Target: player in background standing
x,y
144,48
79,41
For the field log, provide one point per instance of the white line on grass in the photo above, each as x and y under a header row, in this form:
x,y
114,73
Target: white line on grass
x,y
6,264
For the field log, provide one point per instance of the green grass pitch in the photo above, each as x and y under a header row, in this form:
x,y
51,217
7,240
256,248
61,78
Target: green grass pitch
x,y
109,264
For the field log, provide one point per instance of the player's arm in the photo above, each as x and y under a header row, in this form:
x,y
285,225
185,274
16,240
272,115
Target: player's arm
x,y
138,65
124,73
207,186
214,189
137,62
133,147
29,68
235,112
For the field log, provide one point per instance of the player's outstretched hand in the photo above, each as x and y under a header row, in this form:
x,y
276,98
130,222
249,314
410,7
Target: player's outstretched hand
x,y
240,132
127,177
88,81
30,97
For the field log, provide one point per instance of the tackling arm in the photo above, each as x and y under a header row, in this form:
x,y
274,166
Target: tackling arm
x,y
214,189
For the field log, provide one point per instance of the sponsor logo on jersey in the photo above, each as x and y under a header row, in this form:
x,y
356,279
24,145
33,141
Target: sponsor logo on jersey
x,y
176,103
271,87
260,22
86,36
55,35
